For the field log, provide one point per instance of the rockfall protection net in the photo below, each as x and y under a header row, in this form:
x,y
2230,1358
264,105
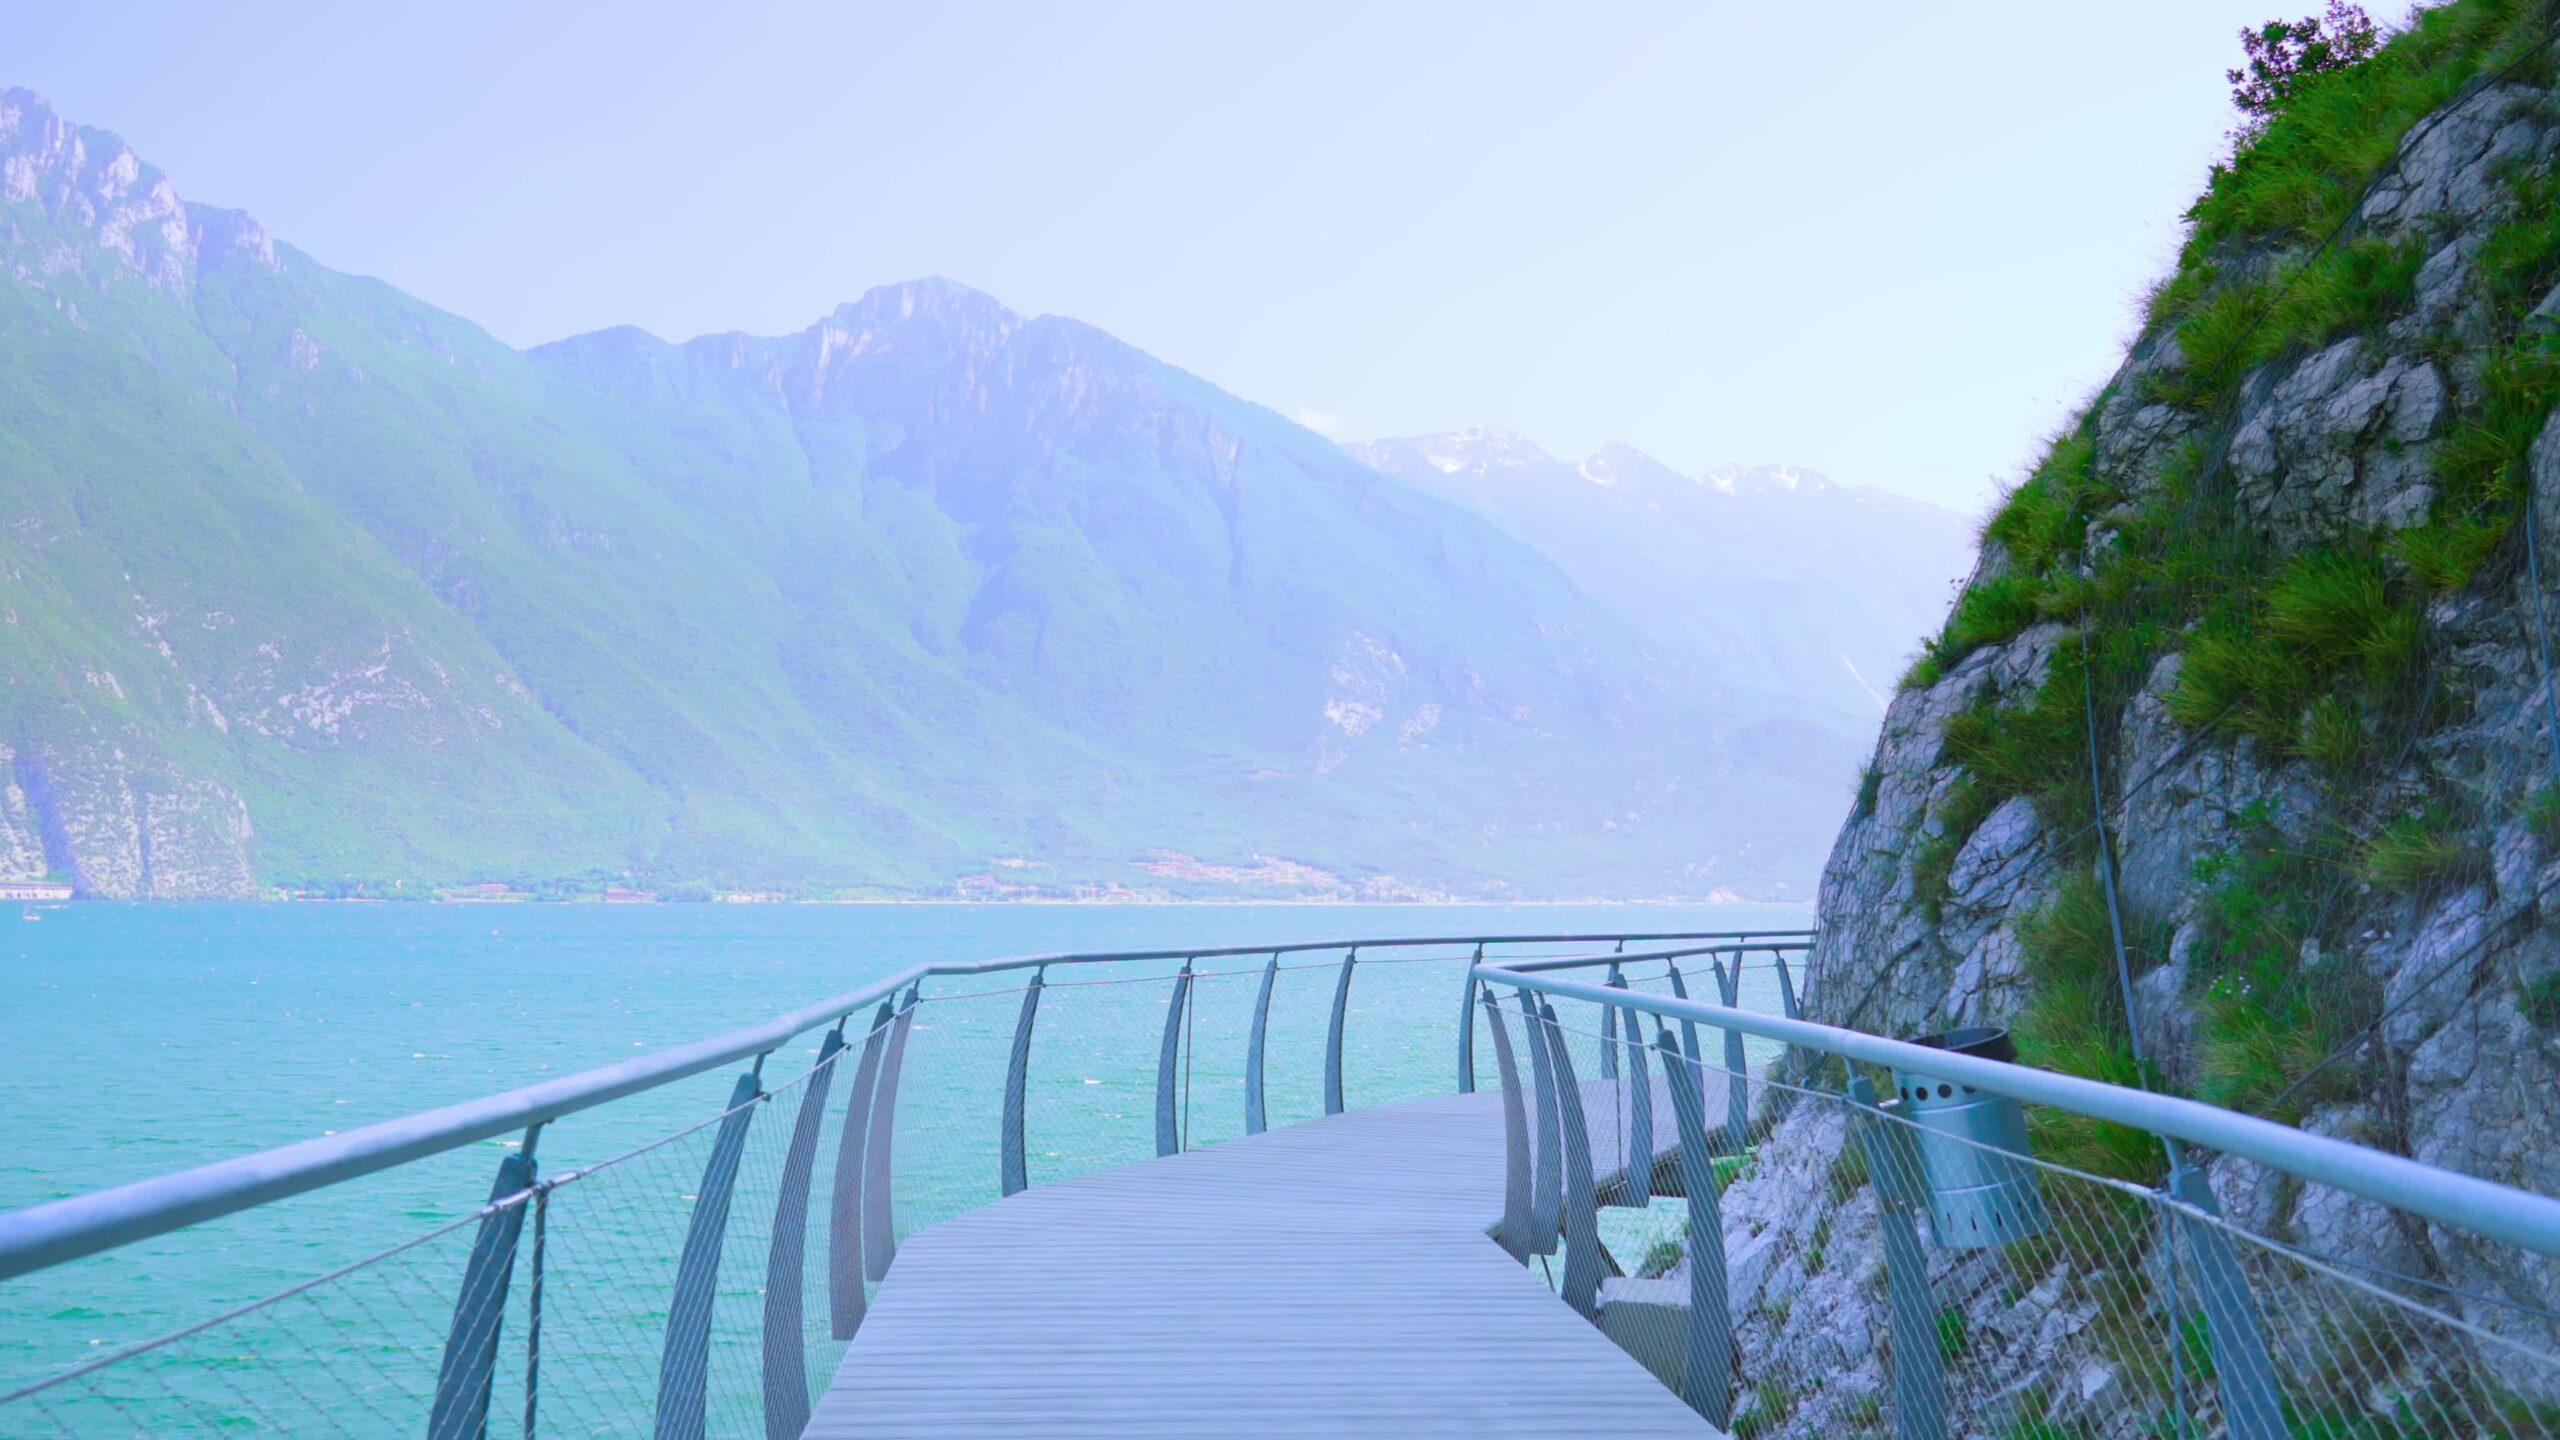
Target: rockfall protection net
x,y
2117,1311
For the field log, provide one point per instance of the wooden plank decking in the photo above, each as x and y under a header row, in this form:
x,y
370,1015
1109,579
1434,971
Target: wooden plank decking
x,y
1332,1277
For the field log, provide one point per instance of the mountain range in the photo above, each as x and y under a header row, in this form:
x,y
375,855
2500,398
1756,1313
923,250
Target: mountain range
x,y
1778,580
306,583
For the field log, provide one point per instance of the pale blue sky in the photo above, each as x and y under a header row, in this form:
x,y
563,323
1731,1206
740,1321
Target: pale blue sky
x,y
1889,241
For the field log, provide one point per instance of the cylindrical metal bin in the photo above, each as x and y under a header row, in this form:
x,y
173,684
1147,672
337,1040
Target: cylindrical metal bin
x,y
1980,1192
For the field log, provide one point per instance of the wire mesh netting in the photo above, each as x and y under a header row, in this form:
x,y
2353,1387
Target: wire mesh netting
x,y
1863,1297
711,1250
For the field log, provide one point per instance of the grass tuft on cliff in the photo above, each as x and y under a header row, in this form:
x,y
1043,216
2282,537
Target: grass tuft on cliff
x,y
2317,652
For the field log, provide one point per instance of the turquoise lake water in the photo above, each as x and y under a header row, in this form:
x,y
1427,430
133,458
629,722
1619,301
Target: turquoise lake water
x,y
144,1039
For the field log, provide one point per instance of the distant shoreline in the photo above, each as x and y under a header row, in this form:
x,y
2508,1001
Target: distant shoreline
x,y
945,901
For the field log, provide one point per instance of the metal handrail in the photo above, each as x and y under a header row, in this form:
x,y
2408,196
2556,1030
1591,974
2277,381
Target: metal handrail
x,y
42,1236
1753,946
2485,1207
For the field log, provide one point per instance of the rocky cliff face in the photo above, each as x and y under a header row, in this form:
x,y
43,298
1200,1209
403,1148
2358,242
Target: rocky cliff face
x,y
2278,578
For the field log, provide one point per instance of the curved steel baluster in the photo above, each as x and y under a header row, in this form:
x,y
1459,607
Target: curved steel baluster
x,y
1514,1235
1581,1288
879,1237
468,1374
1706,1375
1918,1364
1467,1028
1636,1189
1546,1193
1014,1169
1787,1006
1737,1120
1253,1111
1333,1036
1635,1184
684,1364
1688,1028
1168,1134
786,1365
845,1300
1609,1021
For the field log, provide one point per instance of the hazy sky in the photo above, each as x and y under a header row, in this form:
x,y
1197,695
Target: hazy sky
x,y
1889,241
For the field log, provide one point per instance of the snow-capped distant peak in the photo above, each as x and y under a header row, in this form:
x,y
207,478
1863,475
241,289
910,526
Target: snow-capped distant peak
x,y
1618,464
1473,451
1761,479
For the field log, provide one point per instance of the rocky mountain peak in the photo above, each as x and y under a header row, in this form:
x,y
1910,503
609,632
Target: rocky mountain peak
x,y
222,236
1621,464
928,298
96,190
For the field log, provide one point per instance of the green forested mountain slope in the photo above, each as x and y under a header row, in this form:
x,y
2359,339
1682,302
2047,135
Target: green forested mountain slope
x,y
308,582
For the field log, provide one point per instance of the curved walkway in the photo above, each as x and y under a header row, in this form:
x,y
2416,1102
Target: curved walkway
x,y
1333,1277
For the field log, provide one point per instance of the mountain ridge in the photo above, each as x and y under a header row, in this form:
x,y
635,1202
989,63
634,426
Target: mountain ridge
x,y
1790,584
328,589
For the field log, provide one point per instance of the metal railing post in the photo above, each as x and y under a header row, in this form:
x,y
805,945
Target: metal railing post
x,y
1737,1065
879,1235
1013,1166
1706,1375
1333,1035
1919,1370
1689,1028
1467,1028
466,1376
533,1309
1581,1288
1514,1235
1609,1031
1635,1186
1788,1007
1609,1020
2244,1373
1255,1118
1546,1191
844,1211
786,1366
1168,1133
684,1364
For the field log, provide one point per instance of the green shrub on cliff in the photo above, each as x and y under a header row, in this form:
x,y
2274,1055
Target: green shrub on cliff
x,y
2317,652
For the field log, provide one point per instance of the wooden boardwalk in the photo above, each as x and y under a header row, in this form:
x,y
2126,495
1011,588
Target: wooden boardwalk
x,y
1332,1277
